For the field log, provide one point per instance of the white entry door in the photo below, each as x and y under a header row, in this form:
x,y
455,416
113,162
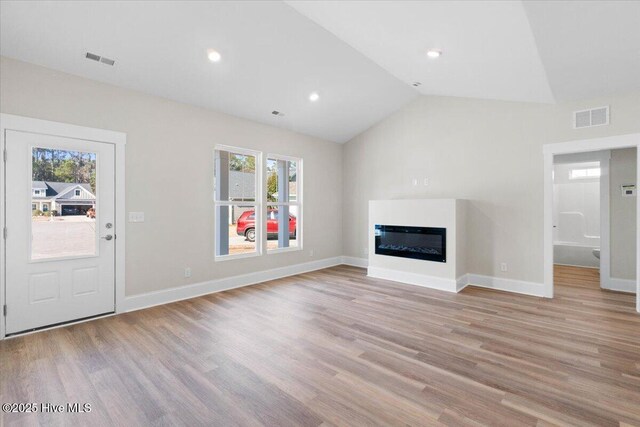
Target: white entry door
x,y
60,241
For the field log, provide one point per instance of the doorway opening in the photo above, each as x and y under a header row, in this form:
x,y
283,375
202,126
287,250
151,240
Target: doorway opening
x,y
581,218
591,216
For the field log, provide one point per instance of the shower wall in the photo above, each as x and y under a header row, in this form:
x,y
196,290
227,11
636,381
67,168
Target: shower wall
x,y
576,214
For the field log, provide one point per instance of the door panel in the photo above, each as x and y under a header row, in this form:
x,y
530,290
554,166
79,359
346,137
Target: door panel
x,y
59,266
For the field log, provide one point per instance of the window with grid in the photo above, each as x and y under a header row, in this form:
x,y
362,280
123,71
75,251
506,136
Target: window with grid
x,y
237,197
284,203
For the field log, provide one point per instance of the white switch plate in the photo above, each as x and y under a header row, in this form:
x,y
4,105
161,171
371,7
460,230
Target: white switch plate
x,y
187,272
503,266
136,216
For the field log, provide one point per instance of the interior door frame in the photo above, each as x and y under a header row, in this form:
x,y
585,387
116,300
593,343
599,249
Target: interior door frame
x,y
582,146
45,127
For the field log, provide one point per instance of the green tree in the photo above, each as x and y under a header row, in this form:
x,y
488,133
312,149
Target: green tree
x,y
66,172
272,187
92,181
64,166
242,163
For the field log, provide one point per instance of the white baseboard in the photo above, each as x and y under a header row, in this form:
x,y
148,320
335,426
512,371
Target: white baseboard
x,y
462,282
355,262
620,285
509,285
423,280
150,299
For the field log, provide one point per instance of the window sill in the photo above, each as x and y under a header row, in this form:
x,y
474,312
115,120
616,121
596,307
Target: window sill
x,y
221,258
280,250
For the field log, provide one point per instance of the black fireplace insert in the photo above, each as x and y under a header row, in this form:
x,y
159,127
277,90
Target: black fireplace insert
x,y
427,243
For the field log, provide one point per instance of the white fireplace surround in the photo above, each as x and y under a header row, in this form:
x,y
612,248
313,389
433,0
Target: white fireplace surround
x,y
441,213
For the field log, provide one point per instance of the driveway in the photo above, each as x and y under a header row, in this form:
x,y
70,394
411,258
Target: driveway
x,y
63,236
240,245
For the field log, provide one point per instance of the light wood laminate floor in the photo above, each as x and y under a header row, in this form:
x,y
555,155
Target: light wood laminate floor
x,y
568,275
334,347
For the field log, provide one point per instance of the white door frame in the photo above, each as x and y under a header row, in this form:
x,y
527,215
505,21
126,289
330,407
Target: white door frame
x,y
118,139
581,146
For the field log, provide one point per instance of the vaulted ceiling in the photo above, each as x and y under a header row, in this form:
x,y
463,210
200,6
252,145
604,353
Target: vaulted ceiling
x,y
361,57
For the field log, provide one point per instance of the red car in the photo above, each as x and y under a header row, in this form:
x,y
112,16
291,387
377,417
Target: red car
x,y
246,225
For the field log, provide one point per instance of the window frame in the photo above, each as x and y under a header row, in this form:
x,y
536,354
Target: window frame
x,y
586,170
298,202
260,225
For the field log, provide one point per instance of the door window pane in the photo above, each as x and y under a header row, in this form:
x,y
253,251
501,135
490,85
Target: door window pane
x,y
63,226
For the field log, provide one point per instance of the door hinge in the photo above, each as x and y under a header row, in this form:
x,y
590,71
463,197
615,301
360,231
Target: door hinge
x,y
4,155
4,310
4,232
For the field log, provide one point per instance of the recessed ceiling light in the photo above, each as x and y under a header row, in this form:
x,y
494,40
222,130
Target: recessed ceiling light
x,y
214,55
434,53
313,97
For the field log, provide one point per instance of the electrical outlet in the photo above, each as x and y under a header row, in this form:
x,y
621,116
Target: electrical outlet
x,y
310,252
426,182
503,267
414,182
187,272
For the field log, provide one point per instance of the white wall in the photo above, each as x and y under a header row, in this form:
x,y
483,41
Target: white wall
x,y
623,215
170,150
488,152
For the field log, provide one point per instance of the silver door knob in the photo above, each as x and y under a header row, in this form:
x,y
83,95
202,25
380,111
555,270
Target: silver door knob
x,y
107,237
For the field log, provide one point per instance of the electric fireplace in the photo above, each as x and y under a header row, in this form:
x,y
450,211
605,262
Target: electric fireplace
x,y
426,243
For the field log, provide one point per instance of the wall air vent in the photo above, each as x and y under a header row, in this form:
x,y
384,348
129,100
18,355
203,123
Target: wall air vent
x,y
277,113
98,58
589,118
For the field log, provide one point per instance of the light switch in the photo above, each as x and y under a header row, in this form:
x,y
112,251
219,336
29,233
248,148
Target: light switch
x,y
136,216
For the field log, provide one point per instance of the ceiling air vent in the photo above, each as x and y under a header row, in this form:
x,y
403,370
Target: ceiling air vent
x,y
92,56
98,58
589,118
277,113
107,61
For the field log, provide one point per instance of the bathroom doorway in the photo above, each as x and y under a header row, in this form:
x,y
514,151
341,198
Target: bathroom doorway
x,y
581,219
591,217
